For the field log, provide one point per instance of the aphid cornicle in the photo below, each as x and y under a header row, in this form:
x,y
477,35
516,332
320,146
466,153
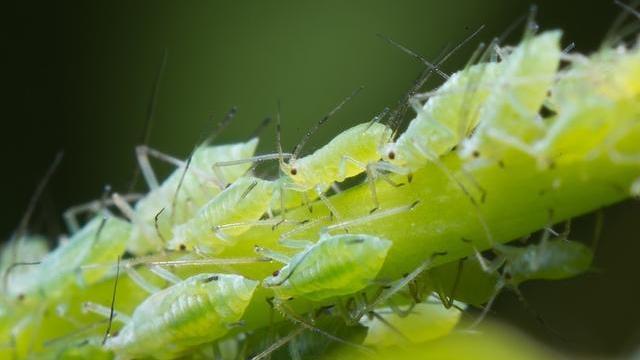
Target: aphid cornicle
x,y
172,321
335,265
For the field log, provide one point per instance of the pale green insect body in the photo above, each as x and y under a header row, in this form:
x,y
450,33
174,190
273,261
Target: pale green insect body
x,y
195,311
585,96
548,260
172,207
242,203
445,119
101,240
511,111
346,155
336,265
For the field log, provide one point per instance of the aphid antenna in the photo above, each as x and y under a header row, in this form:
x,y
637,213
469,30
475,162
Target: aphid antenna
x,y
174,200
414,54
396,116
230,115
7,273
113,301
18,234
258,130
532,26
569,48
298,148
157,227
618,30
151,114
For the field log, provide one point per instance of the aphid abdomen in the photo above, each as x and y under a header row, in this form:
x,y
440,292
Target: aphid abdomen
x,y
99,241
587,93
328,164
551,260
192,312
447,117
523,83
245,200
336,265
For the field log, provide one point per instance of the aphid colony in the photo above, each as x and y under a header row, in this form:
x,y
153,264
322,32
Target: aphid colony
x,y
201,214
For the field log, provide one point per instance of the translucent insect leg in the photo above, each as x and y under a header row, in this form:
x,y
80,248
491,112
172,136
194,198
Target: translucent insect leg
x,y
303,226
487,307
105,312
71,214
291,315
371,177
279,343
325,200
254,159
139,280
371,217
218,229
128,211
281,258
144,151
436,161
399,285
165,274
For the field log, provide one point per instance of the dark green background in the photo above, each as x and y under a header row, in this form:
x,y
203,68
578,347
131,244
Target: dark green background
x,y
78,76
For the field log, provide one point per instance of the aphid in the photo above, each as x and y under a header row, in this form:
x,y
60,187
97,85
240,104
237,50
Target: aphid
x,y
59,272
553,259
180,196
335,265
17,271
229,214
170,322
346,155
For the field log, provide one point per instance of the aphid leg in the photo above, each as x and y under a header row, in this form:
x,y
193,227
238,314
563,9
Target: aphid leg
x,y
143,152
165,274
291,315
371,217
279,343
436,161
218,229
221,180
325,200
71,214
487,307
342,170
302,226
400,284
281,258
139,280
105,312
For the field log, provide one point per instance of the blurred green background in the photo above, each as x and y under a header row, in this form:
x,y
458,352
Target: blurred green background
x,y
78,76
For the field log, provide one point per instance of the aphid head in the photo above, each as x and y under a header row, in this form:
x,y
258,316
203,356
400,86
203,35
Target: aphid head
x,y
180,240
389,152
277,278
293,171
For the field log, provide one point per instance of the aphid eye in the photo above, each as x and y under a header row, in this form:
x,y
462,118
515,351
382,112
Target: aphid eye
x,y
476,154
20,297
276,273
182,247
391,155
294,171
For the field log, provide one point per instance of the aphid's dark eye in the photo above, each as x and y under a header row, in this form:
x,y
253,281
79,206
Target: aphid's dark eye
x,y
20,297
392,155
183,247
294,171
276,273
476,154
